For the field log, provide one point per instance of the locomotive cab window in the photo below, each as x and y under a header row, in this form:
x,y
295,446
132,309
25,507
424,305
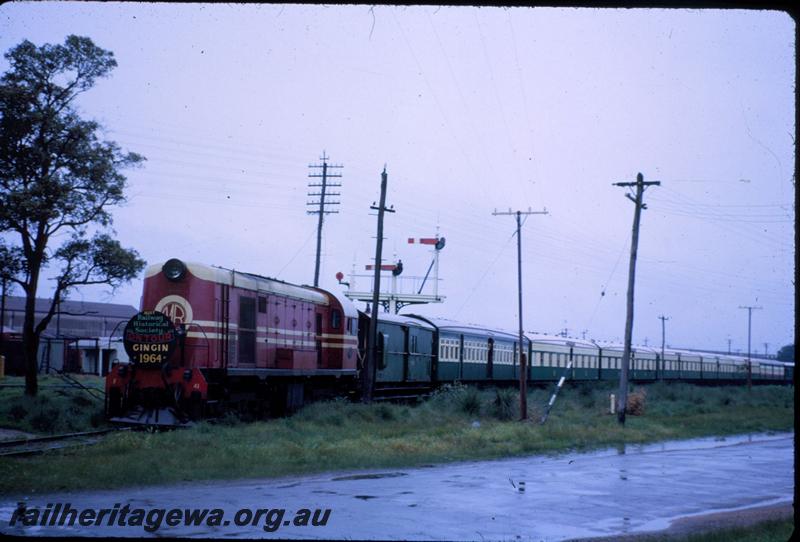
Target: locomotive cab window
x,y
336,318
262,304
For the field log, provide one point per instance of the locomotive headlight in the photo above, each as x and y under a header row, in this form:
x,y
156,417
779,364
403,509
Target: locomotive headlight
x,y
174,269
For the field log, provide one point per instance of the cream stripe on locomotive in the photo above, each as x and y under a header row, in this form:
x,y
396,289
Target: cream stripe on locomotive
x,y
348,341
206,335
306,333
310,344
208,323
262,329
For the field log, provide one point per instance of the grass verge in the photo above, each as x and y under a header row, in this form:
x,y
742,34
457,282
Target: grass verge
x,y
776,530
57,408
768,531
339,435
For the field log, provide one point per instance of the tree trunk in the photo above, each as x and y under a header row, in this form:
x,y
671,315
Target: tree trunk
x,y
30,347
30,338
31,351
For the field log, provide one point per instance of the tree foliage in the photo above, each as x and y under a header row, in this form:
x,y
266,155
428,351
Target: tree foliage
x,y
786,353
57,180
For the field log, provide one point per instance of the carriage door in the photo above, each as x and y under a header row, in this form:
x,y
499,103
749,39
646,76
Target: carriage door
x,y
224,317
406,350
490,359
318,338
247,331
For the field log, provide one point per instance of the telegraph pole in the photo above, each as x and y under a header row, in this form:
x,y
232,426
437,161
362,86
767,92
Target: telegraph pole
x,y
750,310
663,332
368,372
523,365
322,194
663,336
622,400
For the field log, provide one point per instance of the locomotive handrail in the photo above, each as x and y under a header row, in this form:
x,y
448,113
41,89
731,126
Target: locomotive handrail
x,y
205,336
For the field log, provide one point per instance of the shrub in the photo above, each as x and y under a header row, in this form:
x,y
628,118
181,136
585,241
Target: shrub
x,y
98,419
584,389
45,420
81,400
469,401
386,412
503,406
17,412
635,404
230,418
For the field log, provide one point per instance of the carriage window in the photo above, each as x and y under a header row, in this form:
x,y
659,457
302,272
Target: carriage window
x,y
383,348
414,344
336,318
262,304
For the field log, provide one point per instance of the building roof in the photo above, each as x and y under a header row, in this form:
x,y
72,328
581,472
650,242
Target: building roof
x,y
74,308
84,319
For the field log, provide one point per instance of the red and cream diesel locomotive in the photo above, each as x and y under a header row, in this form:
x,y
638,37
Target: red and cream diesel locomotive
x,y
242,338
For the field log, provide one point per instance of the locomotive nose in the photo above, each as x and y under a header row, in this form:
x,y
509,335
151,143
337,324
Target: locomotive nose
x,y
174,269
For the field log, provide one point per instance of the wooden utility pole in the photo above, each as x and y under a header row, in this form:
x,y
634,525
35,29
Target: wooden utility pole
x,y
663,335
622,399
749,327
369,369
322,194
523,378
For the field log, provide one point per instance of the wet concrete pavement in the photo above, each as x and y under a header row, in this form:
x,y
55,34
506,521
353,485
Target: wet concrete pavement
x,y
633,489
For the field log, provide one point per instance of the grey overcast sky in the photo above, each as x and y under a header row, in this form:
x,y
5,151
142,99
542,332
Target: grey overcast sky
x,y
471,109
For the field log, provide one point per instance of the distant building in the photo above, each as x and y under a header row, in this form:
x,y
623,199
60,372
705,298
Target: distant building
x,y
82,337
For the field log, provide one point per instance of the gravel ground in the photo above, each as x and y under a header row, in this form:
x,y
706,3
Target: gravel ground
x,y
13,434
709,522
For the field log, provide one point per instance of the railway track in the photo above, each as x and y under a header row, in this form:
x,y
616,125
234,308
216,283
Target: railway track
x,y
38,445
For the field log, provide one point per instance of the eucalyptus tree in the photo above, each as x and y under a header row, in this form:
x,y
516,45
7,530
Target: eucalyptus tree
x,y
58,178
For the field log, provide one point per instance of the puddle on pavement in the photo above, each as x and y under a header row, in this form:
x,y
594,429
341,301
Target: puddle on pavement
x,y
370,476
